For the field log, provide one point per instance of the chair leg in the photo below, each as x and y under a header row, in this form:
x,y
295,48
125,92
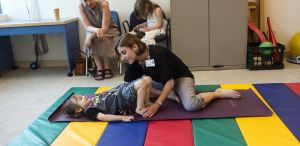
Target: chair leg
x,y
168,43
86,61
120,65
86,65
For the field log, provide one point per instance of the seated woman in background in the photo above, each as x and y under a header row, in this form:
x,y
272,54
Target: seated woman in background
x,y
155,24
102,34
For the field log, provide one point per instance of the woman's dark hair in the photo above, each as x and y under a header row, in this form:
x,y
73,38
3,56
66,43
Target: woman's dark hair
x,y
70,109
144,7
128,40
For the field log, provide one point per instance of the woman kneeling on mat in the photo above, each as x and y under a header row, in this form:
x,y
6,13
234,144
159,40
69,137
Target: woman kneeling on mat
x,y
115,104
168,70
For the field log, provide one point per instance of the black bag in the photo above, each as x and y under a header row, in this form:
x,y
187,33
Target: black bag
x,y
91,65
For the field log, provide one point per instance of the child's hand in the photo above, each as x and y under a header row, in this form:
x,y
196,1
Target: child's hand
x,y
127,118
137,27
146,29
140,27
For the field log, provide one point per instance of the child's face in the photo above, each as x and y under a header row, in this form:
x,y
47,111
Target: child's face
x,y
82,101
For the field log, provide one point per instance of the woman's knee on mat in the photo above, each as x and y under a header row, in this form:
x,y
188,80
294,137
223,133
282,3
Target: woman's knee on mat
x,y
193,103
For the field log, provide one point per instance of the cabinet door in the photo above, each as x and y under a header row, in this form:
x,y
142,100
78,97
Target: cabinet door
x,y
228,32
189,30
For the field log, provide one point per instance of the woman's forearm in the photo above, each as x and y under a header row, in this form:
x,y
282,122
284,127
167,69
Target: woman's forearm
x,y
106,17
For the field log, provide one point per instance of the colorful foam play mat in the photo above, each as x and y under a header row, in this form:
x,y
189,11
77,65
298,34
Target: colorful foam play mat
x,y
171,110
269,115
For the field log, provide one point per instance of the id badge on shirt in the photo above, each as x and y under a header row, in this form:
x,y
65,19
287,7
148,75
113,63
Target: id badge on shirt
x,y
150,63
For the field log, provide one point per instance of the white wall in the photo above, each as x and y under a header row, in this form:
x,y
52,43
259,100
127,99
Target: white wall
x,y
285,19
23,45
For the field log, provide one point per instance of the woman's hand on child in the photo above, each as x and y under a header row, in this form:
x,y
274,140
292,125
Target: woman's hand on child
x,y
140,111
127,118
151,110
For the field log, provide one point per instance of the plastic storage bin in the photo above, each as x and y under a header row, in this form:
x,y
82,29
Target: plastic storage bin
x,y
264,58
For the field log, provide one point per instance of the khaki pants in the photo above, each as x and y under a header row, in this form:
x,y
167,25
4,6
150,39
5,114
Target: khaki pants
x,y
184,88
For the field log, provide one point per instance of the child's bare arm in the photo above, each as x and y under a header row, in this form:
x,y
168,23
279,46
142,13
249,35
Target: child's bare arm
x,y
108,117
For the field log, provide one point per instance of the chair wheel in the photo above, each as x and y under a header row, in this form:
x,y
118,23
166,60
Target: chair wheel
x,y
34,66
70,74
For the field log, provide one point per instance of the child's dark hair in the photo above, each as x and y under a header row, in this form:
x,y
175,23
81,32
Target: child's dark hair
x,y
128,40
70,108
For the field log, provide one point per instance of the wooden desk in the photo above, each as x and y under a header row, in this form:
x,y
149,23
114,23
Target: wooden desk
x,y
69,27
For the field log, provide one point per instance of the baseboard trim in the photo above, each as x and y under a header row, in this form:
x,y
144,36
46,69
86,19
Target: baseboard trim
x,y
209,68
43,63
3,17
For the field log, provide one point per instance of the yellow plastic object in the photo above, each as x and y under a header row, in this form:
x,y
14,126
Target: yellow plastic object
x,y
295,45
263,131
82,133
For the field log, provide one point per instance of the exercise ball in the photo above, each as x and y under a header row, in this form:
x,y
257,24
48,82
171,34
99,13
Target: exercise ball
x,y
294,55
266,50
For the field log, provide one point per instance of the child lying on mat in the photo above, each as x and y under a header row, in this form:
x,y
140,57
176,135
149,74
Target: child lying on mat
x,y
115,104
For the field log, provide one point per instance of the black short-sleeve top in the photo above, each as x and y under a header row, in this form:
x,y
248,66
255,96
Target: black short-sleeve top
x,y
167,66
